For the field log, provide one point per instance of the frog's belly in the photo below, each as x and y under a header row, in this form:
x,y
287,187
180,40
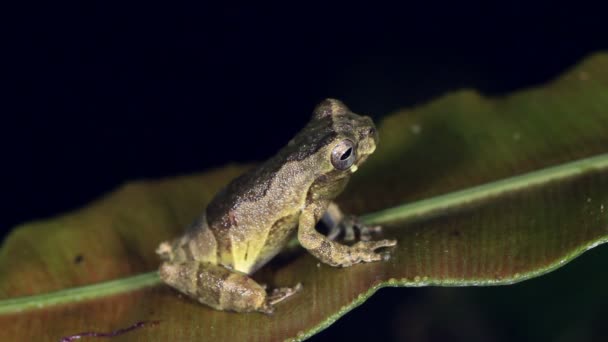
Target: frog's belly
x,y
250,253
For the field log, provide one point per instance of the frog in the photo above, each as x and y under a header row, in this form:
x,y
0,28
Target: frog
x,y
253,218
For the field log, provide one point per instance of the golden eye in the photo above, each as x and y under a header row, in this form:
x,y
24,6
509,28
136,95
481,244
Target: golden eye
x,y
343,155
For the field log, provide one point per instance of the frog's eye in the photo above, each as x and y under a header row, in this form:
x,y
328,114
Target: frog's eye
x,y
343,155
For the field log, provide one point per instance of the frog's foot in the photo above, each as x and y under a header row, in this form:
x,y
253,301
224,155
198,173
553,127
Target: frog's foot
x,y
278,295
365,251
351,227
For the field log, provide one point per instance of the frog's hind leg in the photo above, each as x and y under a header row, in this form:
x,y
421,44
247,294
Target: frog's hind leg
x,y
221,288
198,243
346,227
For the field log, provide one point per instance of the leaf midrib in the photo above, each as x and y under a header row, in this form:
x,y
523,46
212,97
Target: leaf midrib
x,y
403,212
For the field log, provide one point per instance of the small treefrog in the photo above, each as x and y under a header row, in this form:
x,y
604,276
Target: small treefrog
x,y
252,218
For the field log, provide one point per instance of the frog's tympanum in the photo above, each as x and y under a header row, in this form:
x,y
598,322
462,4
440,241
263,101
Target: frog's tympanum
x,y
252,218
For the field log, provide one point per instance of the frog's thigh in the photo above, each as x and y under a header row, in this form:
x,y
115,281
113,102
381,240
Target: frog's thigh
x,y
215,286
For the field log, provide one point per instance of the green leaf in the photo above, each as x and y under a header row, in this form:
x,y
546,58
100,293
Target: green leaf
x,y
499,190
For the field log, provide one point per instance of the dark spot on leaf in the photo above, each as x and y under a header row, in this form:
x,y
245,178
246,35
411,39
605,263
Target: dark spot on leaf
x,y
78,258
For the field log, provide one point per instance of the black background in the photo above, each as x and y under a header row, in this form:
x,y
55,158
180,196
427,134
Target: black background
x,y
98,95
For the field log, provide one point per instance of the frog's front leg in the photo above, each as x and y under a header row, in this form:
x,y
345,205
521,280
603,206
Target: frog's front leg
x,y
221,288
331,252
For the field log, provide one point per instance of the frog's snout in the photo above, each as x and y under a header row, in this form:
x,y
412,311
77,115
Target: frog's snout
x,y
373,136
368,140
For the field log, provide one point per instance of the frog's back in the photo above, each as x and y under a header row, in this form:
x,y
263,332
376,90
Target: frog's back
x,y
256,215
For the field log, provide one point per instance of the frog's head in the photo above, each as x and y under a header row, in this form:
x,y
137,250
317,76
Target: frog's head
x,y
354,137
330,148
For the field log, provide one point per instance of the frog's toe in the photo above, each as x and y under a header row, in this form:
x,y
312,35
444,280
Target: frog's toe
x,y
385,243
351,228
280,294
373,245
366,233
266,308
365,251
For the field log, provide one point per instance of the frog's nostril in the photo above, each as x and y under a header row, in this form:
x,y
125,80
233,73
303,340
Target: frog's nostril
x,y
371,131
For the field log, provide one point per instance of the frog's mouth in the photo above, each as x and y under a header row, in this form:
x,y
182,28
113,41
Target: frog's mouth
x,y
363,157
366,147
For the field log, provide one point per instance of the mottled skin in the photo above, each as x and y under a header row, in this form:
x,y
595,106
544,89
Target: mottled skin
x,y
253,217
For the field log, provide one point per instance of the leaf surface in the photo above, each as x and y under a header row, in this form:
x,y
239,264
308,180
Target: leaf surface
x,y
496,190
